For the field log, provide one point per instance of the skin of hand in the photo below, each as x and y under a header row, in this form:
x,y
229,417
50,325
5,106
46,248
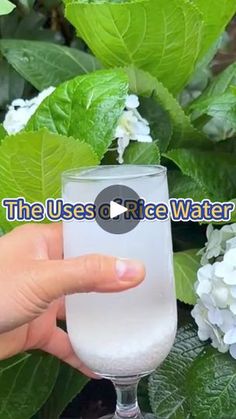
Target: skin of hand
x,y
34,279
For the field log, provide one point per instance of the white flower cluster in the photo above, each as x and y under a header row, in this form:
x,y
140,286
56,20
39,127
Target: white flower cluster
x,y
131,127
217,243
215,311
20,111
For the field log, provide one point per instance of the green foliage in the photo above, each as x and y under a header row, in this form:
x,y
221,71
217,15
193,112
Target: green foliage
x,y
233,217
83,103
142,153
24,23
213,171
31,165
167,390
142,29
183,132
21,379
182,186
68,384
219,84
186,265
143,397
211,385
159,120
45,64
216,14
164,38
160,45
3,132
12,85
195,381
222,107
215,108
6,7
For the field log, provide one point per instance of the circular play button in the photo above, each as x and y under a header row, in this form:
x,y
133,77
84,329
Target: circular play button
x,y
117,209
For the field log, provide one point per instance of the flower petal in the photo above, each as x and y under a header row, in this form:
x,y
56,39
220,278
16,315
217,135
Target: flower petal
x,y
230,278
233,291
233,307
230,336
144,138
132,102
231,244
215,317
221,296
221,269
205,272
228,320
230,258
203,287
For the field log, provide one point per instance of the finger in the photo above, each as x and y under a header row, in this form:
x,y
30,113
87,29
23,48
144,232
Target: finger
x,y
50,280
61,311
59,345
53,236
35,241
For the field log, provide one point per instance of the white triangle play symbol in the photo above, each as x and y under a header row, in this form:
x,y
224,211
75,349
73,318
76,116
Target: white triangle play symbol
x,y
116,209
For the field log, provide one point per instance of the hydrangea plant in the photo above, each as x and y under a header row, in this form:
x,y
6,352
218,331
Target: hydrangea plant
x,y
131,126
134,85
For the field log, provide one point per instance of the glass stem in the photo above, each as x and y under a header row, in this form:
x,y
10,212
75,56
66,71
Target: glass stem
x,y
127,402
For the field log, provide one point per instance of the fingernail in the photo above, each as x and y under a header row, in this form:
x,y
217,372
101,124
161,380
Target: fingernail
x,y
127,269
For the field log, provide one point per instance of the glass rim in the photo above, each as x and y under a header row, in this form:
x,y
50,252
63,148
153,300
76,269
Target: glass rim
x,y
84,173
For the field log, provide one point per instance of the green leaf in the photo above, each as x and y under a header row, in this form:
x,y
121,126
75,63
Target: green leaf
x,y
142,153
159,121
233,217
143,397
68,384
166,386
181,186
216,15
219,84
12,85
27,24
6,7
87,107
213,171
46,64
27,4
143,84
25,383
222,107
3,132
201,77
211,385
31,165
186,265
159,36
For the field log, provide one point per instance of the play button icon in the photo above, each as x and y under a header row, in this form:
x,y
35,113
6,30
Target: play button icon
x,y
112,214
116,209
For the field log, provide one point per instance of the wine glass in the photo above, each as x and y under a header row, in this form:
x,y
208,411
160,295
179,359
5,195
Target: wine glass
x,y
122,336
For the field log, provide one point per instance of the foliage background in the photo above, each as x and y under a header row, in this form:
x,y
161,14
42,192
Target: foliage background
x,y
39,47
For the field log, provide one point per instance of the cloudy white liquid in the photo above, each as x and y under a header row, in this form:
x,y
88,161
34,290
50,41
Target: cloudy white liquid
x,y
131,332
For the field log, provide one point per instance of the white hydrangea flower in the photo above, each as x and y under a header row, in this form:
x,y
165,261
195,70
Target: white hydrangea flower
x,y
206,330
215,311
218,241
20,111
131,127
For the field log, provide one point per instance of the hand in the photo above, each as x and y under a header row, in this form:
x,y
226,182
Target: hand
x,y
34,280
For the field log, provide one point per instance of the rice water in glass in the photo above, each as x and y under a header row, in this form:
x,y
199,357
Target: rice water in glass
x,y
122,336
